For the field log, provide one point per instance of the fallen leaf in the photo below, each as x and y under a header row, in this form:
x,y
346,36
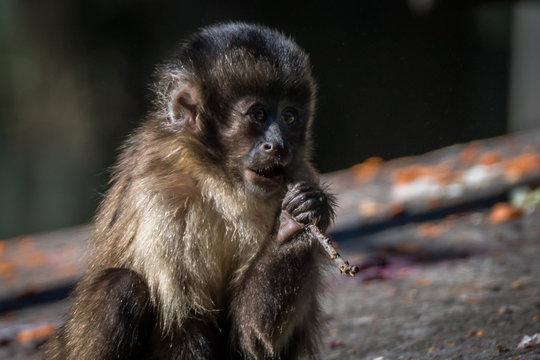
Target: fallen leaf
x,y
502,212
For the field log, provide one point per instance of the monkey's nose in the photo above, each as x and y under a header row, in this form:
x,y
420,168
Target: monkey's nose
x,y
269,148
273,149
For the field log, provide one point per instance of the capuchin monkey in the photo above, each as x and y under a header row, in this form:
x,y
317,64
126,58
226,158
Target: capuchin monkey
x,y
189,259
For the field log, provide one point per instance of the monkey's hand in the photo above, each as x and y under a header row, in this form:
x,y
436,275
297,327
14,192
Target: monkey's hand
x,y
304,204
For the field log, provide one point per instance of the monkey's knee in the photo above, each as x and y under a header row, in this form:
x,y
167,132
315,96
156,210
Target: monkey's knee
x,y
111,318
124,297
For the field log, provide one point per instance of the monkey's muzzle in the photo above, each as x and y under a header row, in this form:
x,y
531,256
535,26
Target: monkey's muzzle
x,y
267,176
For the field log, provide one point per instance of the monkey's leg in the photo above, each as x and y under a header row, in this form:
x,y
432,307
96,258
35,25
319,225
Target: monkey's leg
x,y
111,319
276,310
196,339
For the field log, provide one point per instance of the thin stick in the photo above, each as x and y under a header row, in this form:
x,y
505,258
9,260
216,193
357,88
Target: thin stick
x,y
326,243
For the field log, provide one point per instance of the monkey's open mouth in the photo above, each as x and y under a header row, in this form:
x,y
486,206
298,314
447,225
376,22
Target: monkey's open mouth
x,y
266,176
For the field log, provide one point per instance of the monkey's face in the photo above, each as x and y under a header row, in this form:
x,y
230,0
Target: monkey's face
x,y
264,141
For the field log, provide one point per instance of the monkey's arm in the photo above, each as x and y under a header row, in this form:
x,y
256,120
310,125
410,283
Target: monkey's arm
x,y
111,319
275,309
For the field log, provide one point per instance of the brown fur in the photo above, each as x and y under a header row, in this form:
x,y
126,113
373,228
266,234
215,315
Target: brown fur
x,y
183,244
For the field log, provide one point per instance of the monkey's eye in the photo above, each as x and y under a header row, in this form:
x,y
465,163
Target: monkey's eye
x,y
289,116
257,113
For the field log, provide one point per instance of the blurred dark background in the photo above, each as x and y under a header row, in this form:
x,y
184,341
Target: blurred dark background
x,y
396,78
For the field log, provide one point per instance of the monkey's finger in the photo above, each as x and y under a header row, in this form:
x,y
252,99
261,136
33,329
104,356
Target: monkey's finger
x,y
307,218
295,191
297,200
300,185
307,206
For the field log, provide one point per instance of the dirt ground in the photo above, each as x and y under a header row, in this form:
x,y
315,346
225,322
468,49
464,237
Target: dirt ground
x,y
472,293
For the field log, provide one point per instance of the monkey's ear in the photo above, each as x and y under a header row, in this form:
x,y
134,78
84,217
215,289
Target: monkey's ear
x,y
184,106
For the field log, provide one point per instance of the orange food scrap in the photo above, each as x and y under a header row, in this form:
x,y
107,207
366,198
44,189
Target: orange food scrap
x,y
7,270
409,248
443,174
490,158
479,333
409,174
397,209
523,164
502,212
407,299
451,218
469,155
35,259
30,256
535,318
26,244
36,333
72,269
367,170
369,208
434,202
440,173
421,282
432,230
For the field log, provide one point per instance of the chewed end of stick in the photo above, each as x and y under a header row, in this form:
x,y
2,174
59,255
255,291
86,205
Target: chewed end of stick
x,y
343,264
347,269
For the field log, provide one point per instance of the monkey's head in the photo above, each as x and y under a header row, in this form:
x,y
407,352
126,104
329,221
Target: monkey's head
x,y
243,96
